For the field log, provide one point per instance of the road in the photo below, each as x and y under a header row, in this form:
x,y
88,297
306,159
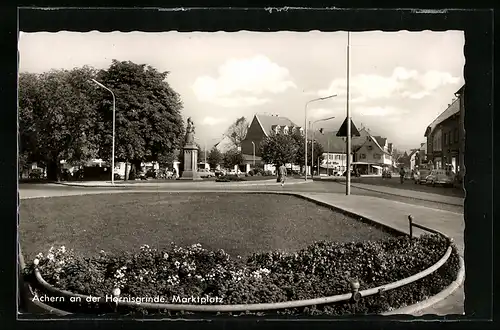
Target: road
x,y
409,185
317,186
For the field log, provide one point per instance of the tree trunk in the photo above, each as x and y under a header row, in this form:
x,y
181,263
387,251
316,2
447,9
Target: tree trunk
x,y
126,170
53,171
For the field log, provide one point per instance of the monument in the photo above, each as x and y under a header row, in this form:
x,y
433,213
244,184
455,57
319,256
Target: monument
x,y
190,153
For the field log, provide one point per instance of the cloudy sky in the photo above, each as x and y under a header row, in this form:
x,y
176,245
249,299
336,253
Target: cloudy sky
x,y
399,82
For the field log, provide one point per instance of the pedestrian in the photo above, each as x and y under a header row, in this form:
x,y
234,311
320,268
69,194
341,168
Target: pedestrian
x,y
402,175
282,174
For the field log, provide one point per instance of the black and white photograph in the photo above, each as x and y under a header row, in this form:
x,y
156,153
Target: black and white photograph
x,y
198,174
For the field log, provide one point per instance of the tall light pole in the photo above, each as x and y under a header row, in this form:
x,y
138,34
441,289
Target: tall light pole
x,y
312,141
113,144
305,128
253,145
348,151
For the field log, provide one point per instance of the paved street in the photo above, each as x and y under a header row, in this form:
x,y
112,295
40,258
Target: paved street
x,y
407,185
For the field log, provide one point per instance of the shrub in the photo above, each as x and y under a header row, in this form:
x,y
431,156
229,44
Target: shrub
x,y
321,269
229,178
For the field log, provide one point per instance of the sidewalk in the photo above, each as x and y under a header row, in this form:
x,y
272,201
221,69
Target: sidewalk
x,y
409,193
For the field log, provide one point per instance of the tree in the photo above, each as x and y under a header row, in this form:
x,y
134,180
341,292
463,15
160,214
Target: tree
x,y
58,117
148,113
279,149
237,131
214,158
231,158
299,158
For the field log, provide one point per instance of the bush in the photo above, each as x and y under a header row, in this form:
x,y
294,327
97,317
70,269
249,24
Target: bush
x,y
229,178
267,173
321,269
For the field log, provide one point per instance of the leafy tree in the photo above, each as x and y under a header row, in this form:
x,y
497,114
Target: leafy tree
x,y
237,131
299,156
232,157
58,117
214,158
148,113
279,149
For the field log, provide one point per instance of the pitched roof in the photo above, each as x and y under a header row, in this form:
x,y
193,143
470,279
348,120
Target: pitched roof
x,y
268,121
330,142
452,109
373,138
380,140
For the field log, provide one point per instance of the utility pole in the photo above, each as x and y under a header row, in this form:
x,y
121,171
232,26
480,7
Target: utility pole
x,y
348,151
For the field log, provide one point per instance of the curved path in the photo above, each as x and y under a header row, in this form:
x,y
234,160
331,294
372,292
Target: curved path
x,y
385,211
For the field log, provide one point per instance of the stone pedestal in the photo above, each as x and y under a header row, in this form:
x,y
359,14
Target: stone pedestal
x,y
190,163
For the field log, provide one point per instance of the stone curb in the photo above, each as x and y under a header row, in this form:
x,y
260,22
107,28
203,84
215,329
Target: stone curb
x,y
173,184
408,310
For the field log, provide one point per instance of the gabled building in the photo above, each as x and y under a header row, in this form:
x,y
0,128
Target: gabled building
x,y
371,157
334,156
262,126
446,137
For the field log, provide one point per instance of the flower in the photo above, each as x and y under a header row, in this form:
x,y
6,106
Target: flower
x,y
50,256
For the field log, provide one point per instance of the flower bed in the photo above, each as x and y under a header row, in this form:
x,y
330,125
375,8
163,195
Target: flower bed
x,y
322,269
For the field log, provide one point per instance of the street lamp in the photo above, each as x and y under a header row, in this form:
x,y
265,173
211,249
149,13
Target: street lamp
x,y
312,141
113,144
253,145
305,128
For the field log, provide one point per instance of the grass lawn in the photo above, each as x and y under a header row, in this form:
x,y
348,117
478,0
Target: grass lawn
x,y
236,222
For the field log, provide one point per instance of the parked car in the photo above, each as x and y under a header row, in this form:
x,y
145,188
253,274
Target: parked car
x,y
151,173
36,173
441,177
204,173
387,174
142,175
420,176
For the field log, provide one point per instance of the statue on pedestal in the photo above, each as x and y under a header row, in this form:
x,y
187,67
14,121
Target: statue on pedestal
x,y
190,155
190,131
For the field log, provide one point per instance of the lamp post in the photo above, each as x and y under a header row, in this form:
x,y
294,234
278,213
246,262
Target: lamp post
x,y
305,129
312,141
113,144
253,145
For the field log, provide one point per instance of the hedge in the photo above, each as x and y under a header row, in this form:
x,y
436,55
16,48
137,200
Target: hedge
x,y
322,269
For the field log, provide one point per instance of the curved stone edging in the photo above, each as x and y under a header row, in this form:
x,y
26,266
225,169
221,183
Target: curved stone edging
x,y
433,300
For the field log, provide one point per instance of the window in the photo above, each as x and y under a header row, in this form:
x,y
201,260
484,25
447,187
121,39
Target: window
x,y
376,156
362,156
445,139
456,135
369,148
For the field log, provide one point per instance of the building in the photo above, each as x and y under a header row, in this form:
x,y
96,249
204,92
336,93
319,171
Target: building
x,y
334,156
446,137
373,155
262,126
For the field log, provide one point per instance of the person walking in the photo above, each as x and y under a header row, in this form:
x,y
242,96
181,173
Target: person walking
x,y
402,175
282,174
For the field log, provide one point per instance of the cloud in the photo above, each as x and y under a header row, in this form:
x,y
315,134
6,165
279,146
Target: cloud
x,y
211,121
402,83
321,113
379,111
243,82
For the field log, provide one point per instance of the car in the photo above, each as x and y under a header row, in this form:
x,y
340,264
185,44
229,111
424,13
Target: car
x,y
420,176
441,177
204,173
387,174
353,173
